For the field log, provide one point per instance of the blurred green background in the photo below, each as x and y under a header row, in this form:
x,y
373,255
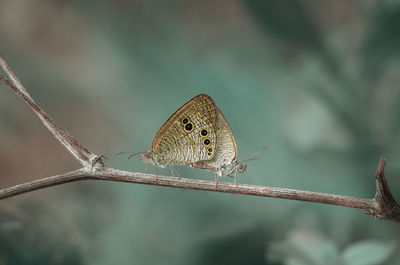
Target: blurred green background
x,y
317,82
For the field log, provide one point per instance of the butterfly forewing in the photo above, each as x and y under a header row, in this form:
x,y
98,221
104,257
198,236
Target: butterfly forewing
x,y
189,135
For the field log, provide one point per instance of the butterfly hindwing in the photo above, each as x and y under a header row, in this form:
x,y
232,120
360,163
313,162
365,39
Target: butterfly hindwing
x,y
226,149
189,135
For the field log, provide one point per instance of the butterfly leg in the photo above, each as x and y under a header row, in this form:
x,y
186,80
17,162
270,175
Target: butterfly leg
x,y
234,177
145,169
176,171
156,174
216,180
172,172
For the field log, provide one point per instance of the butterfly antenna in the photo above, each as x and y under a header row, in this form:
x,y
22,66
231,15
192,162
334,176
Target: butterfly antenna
x,y
135,154
130,156
250,159
253,157
122,153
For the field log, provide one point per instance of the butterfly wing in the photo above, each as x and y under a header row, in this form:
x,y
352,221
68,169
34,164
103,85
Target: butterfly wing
x,y
226,149
189,135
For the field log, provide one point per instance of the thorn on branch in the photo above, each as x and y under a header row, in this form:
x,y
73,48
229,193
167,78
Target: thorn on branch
x,y
386,206
97,162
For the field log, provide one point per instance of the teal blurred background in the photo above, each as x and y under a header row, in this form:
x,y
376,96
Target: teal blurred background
x,y
317,82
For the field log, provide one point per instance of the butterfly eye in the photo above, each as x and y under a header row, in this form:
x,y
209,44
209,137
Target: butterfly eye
x,y
206,141
188,127
204,132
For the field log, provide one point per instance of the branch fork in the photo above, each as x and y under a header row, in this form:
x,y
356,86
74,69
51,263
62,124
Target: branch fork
x,y
382,207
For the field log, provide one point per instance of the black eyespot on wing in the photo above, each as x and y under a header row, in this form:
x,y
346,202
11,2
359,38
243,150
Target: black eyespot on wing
x,y
206,141
188,127
184,121
210,150
204,132
209,154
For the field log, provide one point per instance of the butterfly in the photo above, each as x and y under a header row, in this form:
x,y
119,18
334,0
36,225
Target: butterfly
x,y
196,135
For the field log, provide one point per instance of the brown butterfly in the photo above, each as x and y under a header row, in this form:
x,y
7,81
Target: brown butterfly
x,y
199,136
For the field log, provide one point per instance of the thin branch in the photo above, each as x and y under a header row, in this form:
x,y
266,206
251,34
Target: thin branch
x,y
111,174
382,206
84,156
378,208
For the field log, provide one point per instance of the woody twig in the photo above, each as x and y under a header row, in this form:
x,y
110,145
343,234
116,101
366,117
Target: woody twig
x,y
382,207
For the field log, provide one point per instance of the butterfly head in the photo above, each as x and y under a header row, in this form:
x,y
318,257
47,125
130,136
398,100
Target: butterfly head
x,y
150,157
232,168
240,167
147,157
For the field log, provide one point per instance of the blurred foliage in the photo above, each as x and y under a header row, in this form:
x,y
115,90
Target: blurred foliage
x,y
315,81
382,42
25,239
304,247
296,29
